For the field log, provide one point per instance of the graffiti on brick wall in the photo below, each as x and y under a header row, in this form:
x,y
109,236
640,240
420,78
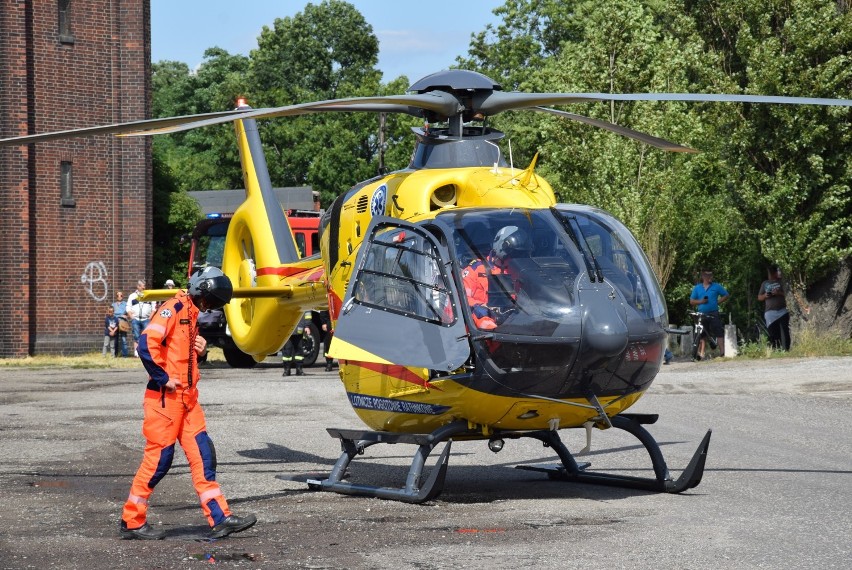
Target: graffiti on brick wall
x,y
94,280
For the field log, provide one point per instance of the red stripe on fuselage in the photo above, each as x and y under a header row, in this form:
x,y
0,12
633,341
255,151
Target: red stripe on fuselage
x,y
397,371
282,271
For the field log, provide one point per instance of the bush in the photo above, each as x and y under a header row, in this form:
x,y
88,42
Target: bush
x,y
807,343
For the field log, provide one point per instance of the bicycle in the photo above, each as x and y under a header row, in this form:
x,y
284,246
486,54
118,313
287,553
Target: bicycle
x,y
699,330
757,331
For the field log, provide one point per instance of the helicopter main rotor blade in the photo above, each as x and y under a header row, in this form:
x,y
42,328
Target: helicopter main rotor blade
x,y
623,131
292,111
468,94
499,101
435,101
119,128
371,108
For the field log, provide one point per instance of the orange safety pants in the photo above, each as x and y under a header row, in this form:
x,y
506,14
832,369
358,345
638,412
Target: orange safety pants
x,y
169,418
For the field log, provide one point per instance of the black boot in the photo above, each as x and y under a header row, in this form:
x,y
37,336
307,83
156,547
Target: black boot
x,y
299,371
144,532
231,525
329,365
286,370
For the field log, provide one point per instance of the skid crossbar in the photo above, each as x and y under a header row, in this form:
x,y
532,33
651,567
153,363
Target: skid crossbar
x,y
570,470
354,442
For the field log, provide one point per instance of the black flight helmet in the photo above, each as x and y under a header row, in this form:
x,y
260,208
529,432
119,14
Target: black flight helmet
x,y
511,241
210,288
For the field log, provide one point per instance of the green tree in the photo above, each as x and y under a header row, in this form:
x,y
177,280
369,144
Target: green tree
x,y
672,202
532,31
790,165
772,182
201,159
326,51
175,214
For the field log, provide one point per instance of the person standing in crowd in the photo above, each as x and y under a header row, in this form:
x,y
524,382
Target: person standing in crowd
x,y
169,348
706,298
139,312
119,309
775,312
110,332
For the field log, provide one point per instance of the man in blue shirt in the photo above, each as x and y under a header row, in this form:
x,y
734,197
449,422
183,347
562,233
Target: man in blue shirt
x,y
706,298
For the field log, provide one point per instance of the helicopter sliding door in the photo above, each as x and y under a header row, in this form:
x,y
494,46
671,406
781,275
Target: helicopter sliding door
x,y
401,305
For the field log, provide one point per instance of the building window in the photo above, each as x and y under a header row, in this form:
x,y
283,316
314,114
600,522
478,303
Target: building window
x,y
65,34
66,184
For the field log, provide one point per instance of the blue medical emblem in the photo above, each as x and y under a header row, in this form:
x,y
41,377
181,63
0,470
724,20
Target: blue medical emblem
x,y
379,200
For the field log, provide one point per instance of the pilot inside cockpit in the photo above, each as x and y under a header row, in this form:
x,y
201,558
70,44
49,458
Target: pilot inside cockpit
x,y
490,284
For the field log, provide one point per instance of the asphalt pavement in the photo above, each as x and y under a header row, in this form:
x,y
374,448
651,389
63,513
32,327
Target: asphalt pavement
x,y
776,492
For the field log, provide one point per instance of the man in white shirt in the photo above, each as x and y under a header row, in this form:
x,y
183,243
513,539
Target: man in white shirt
x,y
140,313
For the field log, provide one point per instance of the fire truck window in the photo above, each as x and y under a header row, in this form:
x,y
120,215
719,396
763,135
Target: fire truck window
x,y
300,243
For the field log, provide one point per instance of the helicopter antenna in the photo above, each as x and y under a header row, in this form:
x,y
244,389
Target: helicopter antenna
x,y
496,162
511,160
528,173
382,128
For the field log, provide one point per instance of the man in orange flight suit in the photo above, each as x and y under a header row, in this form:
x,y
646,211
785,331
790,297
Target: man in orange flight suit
x,y
509,241
169,348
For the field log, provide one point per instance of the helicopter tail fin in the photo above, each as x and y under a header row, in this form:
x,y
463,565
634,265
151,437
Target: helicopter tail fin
x,y
271,230
260,255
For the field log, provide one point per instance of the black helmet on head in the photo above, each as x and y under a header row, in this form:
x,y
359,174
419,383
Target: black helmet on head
x,y
210,288
511,241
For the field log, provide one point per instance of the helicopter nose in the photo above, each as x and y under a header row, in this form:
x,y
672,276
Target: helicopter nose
x,y
604,327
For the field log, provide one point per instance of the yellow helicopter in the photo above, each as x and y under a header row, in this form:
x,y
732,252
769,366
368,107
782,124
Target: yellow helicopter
x,y
467,303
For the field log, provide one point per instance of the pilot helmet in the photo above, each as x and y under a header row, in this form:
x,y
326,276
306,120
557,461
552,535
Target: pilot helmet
x,y
511,241
210,288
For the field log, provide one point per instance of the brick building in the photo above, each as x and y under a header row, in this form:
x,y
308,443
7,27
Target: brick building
x,y
75,221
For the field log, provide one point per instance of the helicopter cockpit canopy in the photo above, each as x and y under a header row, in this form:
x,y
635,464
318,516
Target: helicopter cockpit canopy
x,y
416,279
617,258
569,247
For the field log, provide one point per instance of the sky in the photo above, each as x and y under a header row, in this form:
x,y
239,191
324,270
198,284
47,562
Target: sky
x,y
415,38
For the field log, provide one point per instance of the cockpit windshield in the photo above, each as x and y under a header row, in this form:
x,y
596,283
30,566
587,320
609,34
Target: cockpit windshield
x,y
519,269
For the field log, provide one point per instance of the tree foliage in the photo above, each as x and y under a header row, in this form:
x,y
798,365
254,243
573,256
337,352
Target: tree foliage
x,y
202,159
790,165
175,215
326,51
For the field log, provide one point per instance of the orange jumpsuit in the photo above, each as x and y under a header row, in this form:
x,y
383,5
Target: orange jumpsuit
x,y
167,350
475,281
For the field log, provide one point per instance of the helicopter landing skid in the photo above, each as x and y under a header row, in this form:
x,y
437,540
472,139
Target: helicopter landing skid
x,y
354,442
570,470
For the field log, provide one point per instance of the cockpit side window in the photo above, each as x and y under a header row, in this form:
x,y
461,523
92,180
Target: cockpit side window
x,y
621,261
402,274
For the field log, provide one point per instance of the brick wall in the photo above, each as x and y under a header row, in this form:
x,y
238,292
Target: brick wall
x,y
63,261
